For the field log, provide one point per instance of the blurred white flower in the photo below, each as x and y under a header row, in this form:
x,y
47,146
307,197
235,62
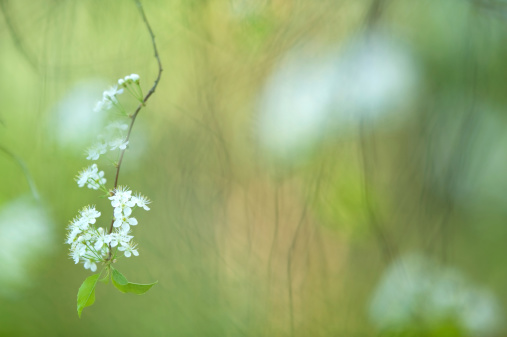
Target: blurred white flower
x,y
101,106
111,93
26,237
416,292
295,104
117,126
313,93
75,122
96,150
132,78
375,75
118,143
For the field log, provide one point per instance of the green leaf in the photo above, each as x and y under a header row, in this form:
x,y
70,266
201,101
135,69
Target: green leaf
x,y
134,288
121,283
86,293
118,277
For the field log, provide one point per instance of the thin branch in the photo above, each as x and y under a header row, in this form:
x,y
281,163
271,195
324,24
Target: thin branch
x,y
310,200
18,43
23,167
386,246
375,12
141,105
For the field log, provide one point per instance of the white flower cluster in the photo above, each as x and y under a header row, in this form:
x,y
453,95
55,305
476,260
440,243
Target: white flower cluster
x,y
115,137
109,99
91,244
91,177
417,292
84,241
123,201
115,140
132,78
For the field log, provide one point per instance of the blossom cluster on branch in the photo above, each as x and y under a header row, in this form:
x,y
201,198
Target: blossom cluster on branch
x,y
89,243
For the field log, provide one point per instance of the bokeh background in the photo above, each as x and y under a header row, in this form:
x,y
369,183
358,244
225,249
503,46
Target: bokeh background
x,y
317,168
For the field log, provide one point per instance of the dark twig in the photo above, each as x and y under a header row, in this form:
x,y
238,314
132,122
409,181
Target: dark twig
x,y
141,105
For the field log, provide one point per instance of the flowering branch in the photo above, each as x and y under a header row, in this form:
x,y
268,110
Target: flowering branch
x,y
90,244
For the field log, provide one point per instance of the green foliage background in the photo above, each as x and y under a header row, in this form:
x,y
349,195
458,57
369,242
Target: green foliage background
x,y
243,245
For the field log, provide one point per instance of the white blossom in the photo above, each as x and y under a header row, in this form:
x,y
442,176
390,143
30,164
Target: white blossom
x,y
141,201
89,215
76,251
118,143
120,212
133,77
117,126
122,199
102,105
90,244
129,79
121,238
129,250
73,233
75,228
91,177
86,241
85,175
102,239
97,181
90,265
96,150
125,222
111,94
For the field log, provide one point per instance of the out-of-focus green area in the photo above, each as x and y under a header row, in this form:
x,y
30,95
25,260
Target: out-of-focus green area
x,y
317,168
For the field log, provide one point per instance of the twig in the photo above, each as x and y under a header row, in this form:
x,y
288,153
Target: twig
x,y
141,105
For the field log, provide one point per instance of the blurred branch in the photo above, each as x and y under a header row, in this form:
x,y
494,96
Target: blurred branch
x,y
290,256
373,16
494,8
459,161
374,12
15,35
24,169
386,246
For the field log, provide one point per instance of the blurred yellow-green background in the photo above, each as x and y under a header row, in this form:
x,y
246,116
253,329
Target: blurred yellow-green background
x,y
317,168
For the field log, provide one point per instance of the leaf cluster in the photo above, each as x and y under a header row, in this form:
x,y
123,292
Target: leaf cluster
x,y
86,293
